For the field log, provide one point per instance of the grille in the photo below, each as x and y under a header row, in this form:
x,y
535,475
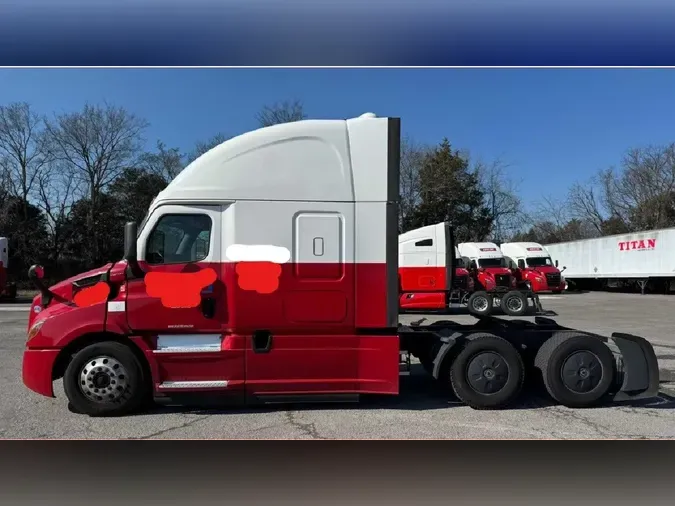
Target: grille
x,y
553,279
503,280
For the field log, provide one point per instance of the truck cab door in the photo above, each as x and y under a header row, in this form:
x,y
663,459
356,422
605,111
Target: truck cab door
x,y
180,305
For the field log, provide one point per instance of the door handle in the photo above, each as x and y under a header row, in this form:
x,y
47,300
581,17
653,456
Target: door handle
x,y
208,306
261,341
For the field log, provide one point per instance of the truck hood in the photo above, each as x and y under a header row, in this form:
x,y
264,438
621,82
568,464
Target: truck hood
x,y
545,269
66,283
497,271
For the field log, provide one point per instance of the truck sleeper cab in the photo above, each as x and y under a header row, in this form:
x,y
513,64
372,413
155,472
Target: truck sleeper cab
x,y
533,267
267,271
424,260
495,283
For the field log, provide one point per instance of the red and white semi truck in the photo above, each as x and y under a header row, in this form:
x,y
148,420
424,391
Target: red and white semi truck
x,y
494,281
7,289
533,267
424,257
267,271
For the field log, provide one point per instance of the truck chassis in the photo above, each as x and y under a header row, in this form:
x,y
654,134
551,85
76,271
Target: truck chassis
x,y
481,303
487,364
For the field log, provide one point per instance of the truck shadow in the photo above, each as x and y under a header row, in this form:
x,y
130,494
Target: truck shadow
x,y
418,392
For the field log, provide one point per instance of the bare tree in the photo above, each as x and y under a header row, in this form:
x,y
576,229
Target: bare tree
x,y
165,162
97,143
642,193
57,191
22,148
501,198
412,159
203,146
585,204
283,112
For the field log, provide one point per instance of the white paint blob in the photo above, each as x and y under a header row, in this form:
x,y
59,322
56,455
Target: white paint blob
x,y
257,253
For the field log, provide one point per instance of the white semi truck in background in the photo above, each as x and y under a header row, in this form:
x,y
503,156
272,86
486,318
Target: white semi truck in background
x,y
7,289
645,260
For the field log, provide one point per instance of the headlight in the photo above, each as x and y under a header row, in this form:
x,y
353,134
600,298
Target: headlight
x,y
32,332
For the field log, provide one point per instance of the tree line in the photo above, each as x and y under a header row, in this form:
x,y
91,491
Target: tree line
x,y
69,182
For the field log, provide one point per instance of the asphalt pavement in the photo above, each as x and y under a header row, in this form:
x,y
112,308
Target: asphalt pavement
x,y
421,411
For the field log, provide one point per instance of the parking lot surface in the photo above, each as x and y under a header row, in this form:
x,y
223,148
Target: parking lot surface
x,y
421,411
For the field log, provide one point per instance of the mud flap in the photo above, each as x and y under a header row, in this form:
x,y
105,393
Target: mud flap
x,y
536,302
640,368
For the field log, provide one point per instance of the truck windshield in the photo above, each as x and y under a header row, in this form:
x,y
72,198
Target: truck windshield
x,y
491,262
539,261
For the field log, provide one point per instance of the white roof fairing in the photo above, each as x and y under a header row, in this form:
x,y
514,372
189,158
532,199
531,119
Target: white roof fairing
x,y
480,250
310,160
523,249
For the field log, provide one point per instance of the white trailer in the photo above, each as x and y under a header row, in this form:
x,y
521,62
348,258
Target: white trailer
x,y
645,259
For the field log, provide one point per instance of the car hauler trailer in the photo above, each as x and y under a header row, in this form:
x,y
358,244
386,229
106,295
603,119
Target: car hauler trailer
x,y
279,282
533,267
7,289
644,259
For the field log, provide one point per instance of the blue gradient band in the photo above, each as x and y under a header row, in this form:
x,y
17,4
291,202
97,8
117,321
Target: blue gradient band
x,y
347,32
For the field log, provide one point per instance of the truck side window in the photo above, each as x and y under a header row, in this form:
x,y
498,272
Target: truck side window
x,y
425,242
179,238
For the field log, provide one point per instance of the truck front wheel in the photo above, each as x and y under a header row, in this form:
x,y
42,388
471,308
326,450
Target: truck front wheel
x,y
105,379
480,303
577,369
514,303
488,373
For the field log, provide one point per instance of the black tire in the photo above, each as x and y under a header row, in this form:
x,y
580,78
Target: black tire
x,y
483,354
480,303
129,391
569,357
557,292
11,292
514,303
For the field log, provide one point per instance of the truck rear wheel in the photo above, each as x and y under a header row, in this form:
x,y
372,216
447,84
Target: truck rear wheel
x,y
480,303
577,369
105,379
514,303
488,373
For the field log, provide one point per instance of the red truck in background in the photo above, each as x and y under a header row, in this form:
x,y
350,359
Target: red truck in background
x,y
533,267
280,283
7,289
424,255
495,282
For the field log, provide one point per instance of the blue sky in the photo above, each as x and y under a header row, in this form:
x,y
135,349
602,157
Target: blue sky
x,y
552,127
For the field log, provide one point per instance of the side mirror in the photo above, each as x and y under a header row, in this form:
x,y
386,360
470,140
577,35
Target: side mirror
x,y
130,250
130,238
36,274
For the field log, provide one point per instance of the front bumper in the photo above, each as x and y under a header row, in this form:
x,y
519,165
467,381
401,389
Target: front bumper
x,y
37,370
